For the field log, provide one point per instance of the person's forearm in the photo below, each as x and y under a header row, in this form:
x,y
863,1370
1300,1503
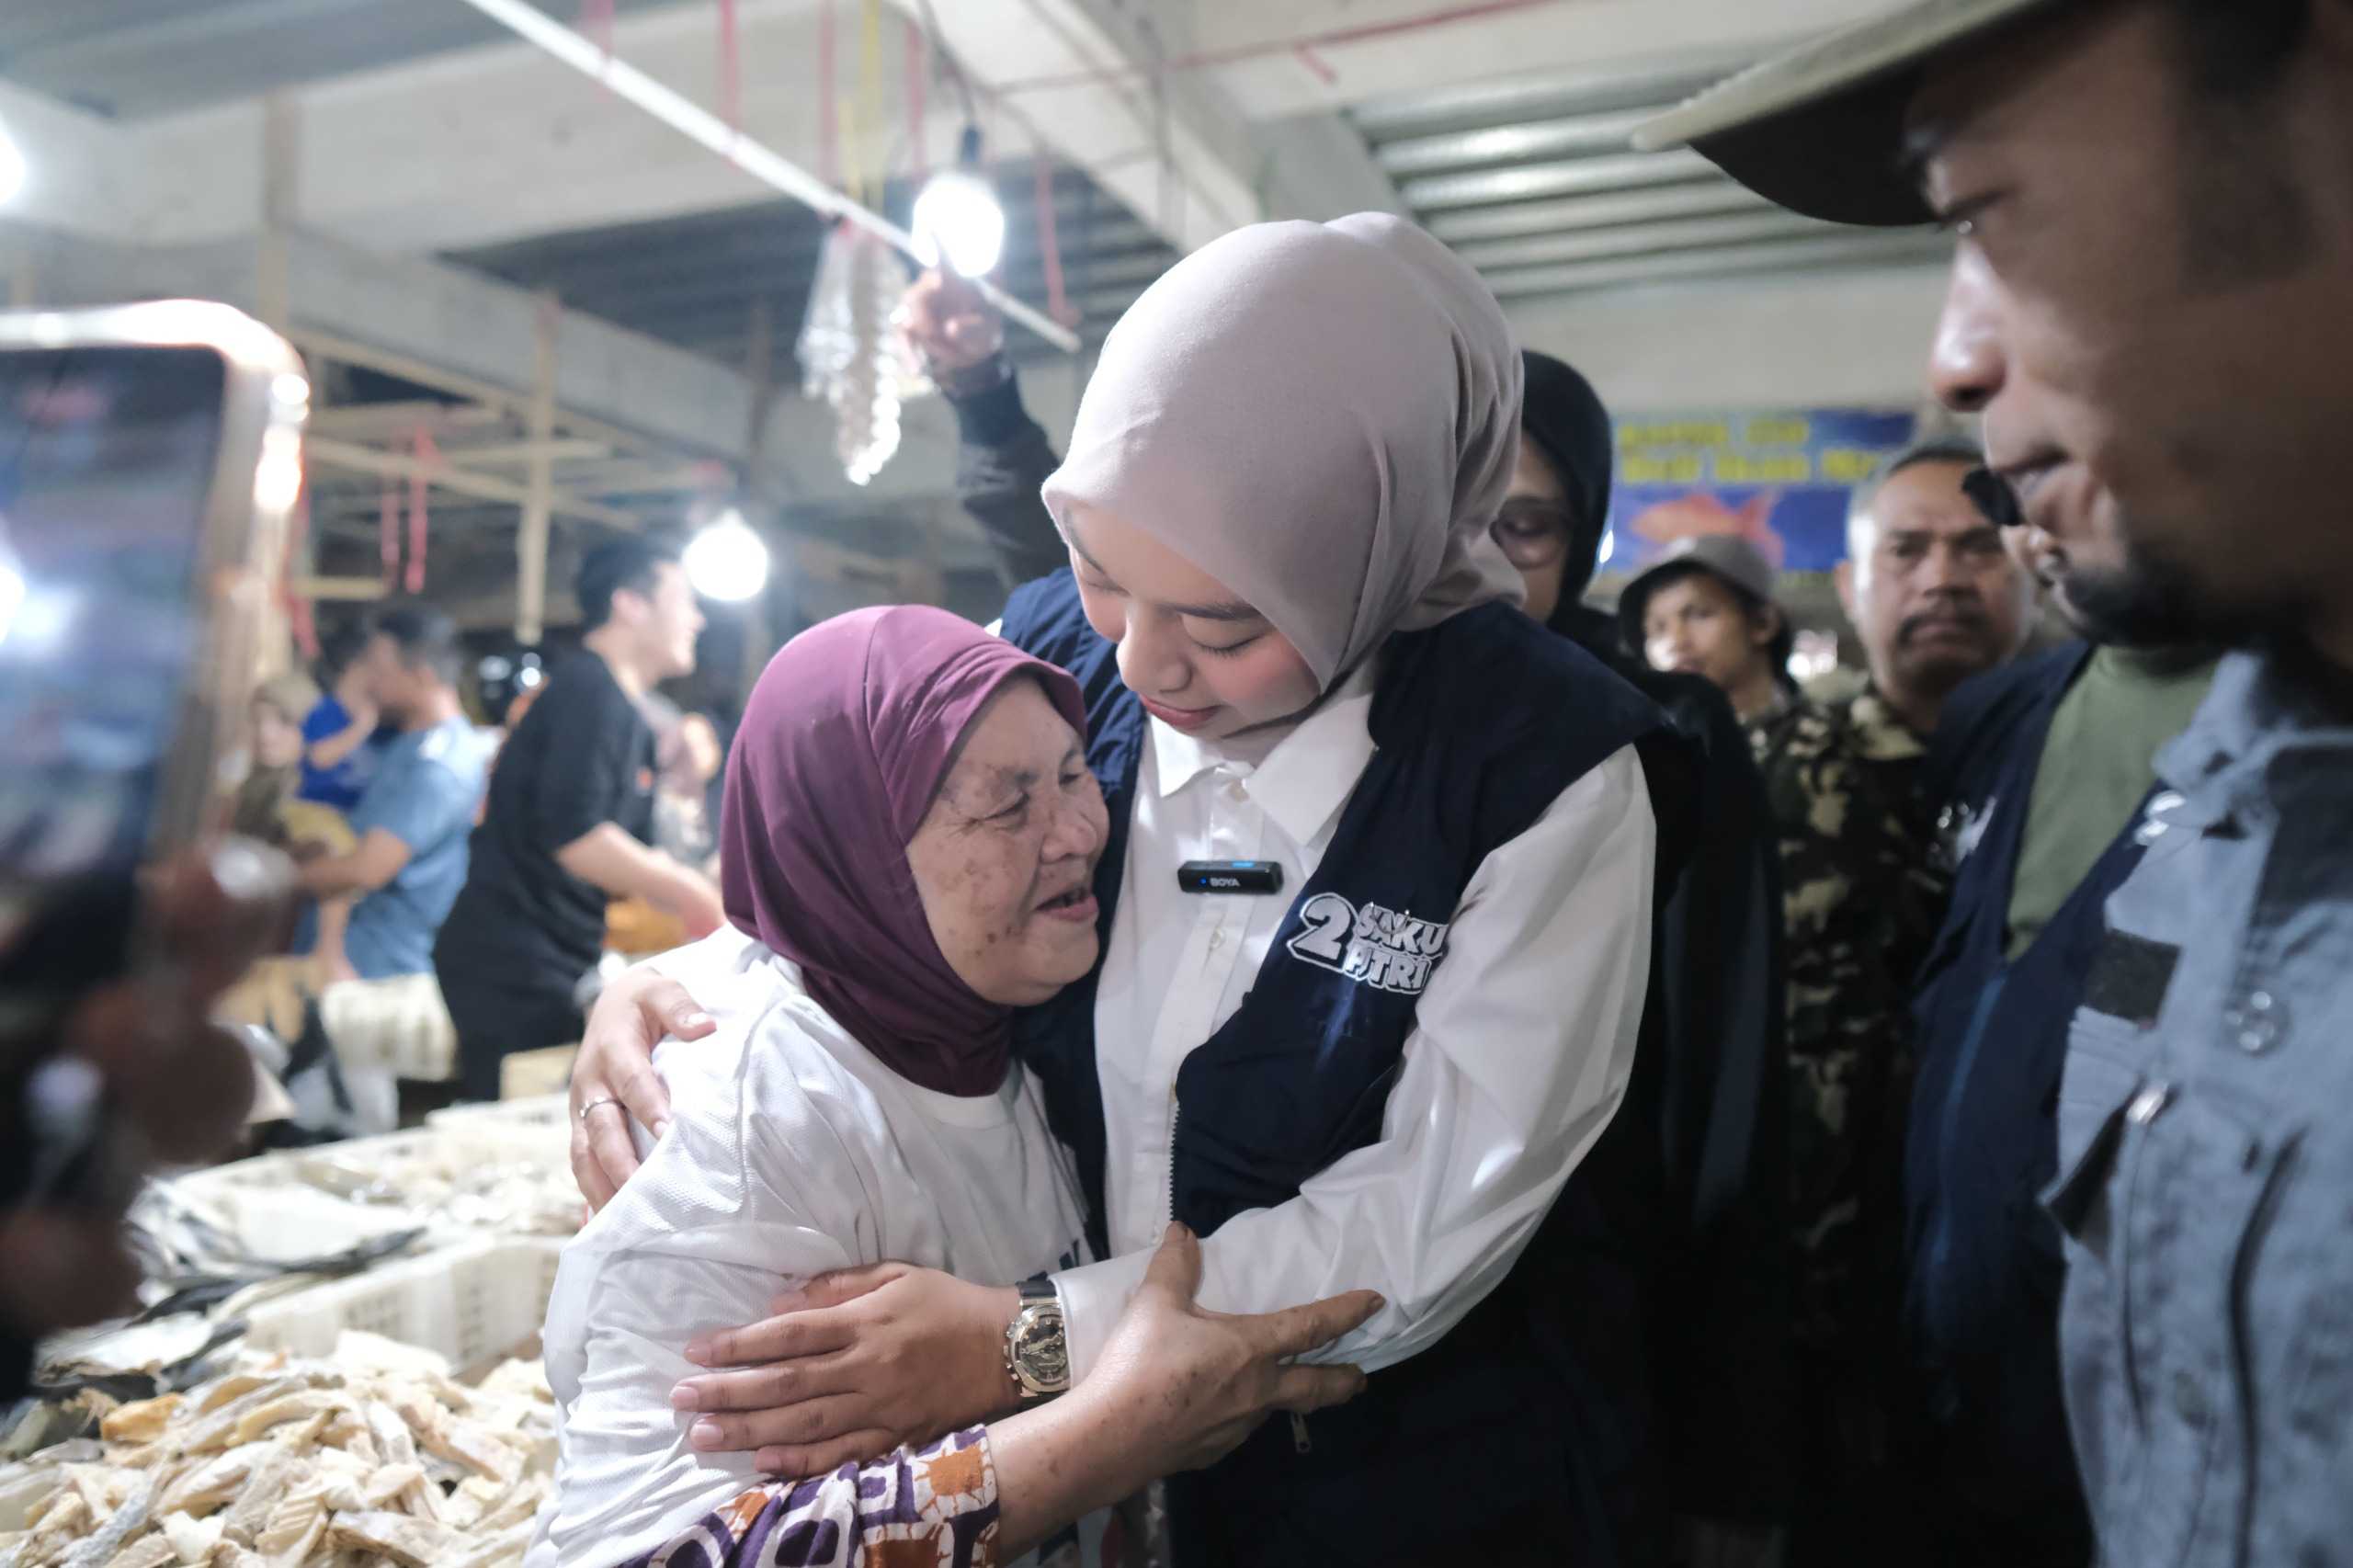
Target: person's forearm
x,y
1062,1461
334,876
342,743
1002,457
606,856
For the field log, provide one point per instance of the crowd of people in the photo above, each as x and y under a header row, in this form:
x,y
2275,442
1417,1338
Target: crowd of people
x,y
1308,1042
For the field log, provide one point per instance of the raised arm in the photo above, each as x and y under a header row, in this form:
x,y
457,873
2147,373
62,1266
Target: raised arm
x,y
1002,454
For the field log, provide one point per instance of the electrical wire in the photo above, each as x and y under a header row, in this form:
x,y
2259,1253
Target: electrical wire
x,y
948,62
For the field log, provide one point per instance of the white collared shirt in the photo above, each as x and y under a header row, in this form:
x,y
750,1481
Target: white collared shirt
x,y
1520,1052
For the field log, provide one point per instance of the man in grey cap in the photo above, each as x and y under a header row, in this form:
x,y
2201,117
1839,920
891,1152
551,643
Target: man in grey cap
x,y
2152,302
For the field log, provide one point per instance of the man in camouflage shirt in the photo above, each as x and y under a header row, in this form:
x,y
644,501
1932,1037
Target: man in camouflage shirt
x,y
1935,600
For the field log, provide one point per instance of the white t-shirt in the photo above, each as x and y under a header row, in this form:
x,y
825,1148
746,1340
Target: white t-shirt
x,y
790,1151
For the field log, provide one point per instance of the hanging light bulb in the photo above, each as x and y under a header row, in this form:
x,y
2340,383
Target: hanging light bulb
x,y
958,219
12,168
727,561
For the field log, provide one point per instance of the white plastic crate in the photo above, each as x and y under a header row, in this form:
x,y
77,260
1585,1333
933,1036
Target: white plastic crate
x,y
472,1303
539,1128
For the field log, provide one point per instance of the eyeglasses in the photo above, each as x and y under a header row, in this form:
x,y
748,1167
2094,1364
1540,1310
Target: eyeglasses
x,y
1533,533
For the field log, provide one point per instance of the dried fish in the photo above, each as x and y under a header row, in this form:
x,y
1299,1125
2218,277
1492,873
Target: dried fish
x,y
270,1481
417,1542
206,1486
296,1525
151,1552
300,1464
192,1539
142,1421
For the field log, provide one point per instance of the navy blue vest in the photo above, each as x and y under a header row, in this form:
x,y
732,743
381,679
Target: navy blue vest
x,y
1480,724
1985,1270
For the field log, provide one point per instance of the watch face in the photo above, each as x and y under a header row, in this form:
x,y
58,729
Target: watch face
x,y
1040,1350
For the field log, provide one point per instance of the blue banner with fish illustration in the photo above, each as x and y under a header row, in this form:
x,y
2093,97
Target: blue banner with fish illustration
x,y
1779,479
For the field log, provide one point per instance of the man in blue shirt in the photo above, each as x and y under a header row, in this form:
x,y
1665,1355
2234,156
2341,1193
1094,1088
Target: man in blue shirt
x,y
412,822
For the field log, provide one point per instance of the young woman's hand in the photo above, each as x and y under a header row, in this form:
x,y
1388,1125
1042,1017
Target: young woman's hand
x,y
613,1078
853,1364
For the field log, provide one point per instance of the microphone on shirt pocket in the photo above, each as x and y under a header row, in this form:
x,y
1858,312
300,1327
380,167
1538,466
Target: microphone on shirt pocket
x,y
1230,877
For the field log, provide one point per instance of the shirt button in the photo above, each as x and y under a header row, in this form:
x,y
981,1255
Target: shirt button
x,y
2257,1023
2149,1104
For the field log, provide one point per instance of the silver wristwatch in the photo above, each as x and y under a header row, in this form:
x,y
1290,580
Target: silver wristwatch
x,y
1037,1357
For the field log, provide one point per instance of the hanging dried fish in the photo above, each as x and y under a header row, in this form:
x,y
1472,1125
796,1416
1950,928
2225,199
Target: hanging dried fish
x,y
849,355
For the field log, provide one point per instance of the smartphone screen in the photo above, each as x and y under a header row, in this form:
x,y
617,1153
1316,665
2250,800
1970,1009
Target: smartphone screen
x,y
107,464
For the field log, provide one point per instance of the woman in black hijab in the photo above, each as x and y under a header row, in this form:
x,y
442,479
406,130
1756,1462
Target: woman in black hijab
x,y
1711,1072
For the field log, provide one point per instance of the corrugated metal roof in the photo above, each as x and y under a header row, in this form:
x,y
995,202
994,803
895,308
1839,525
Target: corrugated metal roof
x,y
132,58
1532,181
697,281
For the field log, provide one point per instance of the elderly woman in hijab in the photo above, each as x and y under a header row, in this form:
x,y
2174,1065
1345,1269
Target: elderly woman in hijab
x,y
910,834
1376,912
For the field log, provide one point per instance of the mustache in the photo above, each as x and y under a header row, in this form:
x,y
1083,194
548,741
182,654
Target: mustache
x,y
1968,613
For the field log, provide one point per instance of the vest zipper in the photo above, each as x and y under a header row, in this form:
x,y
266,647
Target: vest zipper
x,y
1176,1110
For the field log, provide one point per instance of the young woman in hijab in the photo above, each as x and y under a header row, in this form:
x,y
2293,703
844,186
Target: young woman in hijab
x,y
911,832
1685,1246
1301,648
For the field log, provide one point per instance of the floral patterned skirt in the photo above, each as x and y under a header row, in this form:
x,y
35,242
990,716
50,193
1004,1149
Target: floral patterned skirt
x,y
933,1508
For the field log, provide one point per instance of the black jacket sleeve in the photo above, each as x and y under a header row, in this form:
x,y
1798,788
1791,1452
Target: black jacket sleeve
x,y
1002,459
1728,1383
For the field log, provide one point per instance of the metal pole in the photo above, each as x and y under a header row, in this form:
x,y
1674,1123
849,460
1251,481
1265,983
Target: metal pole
x,y
689,118
539,501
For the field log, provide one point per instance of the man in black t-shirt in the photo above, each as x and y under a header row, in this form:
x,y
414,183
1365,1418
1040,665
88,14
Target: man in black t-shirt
x,y
569,821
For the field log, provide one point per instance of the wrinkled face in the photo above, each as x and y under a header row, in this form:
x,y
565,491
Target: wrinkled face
x,y
1930,590
1534,528
1695,624
2151,302
1005,859
663,625
1200,659
278,739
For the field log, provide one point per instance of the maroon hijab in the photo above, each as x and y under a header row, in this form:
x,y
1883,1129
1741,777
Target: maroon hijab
x,y
847,738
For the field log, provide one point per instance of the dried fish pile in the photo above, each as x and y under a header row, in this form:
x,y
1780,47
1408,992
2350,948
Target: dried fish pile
x,y
374,1457
449,1183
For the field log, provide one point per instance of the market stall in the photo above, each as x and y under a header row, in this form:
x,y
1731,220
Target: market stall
x,y
338,1364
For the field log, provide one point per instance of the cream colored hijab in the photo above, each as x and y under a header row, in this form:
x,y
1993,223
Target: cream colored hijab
x,y
1322,416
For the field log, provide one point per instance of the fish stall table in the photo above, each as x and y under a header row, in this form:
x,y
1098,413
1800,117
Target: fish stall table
x,y
382,1400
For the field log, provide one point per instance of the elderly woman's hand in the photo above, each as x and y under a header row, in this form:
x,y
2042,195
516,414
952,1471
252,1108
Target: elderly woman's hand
x,y
613,1080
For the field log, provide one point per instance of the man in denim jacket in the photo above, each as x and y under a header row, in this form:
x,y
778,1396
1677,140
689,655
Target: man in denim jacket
x,y
2152,305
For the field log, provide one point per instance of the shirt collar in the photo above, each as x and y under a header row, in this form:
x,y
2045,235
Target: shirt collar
x,y
2258,705
1305,780
1885,737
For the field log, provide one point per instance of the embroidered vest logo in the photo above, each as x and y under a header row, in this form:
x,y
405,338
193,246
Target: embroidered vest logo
x,y
1386,948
